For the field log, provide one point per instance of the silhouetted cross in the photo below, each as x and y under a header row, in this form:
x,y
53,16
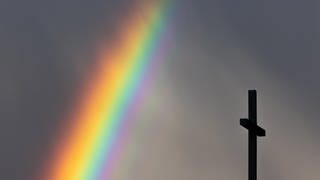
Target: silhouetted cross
x,y
254,131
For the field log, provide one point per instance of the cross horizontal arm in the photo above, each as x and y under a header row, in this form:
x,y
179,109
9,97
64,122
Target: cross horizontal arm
x,y
252,127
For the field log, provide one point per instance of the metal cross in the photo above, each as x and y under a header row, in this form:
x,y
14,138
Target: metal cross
x,y
254,131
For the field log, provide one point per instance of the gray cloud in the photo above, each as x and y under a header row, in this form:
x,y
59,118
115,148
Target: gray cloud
x,y
188,126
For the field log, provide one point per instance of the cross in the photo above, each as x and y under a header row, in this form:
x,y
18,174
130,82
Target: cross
x,y
254,131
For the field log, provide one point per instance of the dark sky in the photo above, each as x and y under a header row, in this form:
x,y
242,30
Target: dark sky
x,y
219,49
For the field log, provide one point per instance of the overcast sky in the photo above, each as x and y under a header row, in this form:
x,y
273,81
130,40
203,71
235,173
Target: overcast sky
x,y
218,50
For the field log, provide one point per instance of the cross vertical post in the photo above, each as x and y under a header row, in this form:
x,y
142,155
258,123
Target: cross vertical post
x,y
253,130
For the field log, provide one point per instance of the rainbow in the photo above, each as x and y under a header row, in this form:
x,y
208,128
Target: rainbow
x,y
90,145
